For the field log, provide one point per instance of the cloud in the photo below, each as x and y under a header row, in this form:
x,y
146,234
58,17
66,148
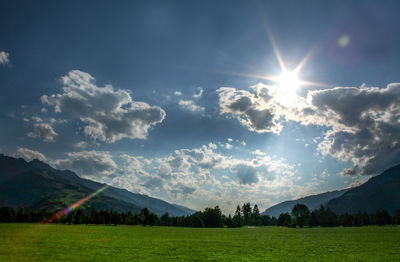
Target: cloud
x,y
186,173
365,123
190,105
362,123
199,94
43,130
247,174
88,163
177,93
108,114
228,146
4,58
252,110
29,154
81,144
182,189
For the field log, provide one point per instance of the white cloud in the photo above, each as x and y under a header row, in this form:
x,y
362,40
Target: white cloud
x,y
88,163
29,154
81,144
190,105
194,175
228,146
4,58
177,93
362,123
108,114
44,131
199,94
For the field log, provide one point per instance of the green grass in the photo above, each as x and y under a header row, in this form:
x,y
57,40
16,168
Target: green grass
x,y
35,242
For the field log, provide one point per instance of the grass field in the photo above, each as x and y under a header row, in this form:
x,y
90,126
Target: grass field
x,y
35,242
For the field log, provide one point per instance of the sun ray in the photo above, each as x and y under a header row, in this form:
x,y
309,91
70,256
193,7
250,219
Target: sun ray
x,y
272,40
304,60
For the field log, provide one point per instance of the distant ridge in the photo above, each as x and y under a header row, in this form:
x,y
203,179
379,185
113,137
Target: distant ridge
x,y
378,193
312,202
381,192
36,185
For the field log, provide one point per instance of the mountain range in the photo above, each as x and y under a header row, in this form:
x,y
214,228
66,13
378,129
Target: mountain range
x,y
36,185
312,202
378,193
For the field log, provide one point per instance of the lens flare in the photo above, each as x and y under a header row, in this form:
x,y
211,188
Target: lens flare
x,y
74,206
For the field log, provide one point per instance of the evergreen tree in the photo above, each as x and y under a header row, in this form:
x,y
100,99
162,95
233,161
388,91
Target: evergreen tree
x,y
166,220
246,211
397,217
255,216
314,219
237,218
301,214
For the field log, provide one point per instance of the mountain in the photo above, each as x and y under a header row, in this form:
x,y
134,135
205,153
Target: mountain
x,y
312,202
36,185
186,209
378,193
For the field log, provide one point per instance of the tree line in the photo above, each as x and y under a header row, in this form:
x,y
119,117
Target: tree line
x,y
301,216
210,217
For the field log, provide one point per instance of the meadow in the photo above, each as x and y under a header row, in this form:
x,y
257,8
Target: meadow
x,y
51,242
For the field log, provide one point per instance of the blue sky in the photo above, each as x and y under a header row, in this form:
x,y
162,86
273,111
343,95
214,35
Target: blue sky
x,y
175,99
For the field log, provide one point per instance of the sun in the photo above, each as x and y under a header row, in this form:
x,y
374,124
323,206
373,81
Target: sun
x,y
288,80
287,84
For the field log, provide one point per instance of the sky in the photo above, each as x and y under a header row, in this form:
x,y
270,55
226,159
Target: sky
x,y
204,103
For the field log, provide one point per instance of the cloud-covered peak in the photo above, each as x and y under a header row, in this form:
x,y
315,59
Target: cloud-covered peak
x,y
29,154
108,114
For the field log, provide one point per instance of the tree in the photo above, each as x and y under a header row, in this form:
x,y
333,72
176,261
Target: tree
x,y
314,219
237,218
166,220
255,216
266,220
228,221
212,217
301,214
397,217
196,221
284,220
327,218
144,217
246,211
